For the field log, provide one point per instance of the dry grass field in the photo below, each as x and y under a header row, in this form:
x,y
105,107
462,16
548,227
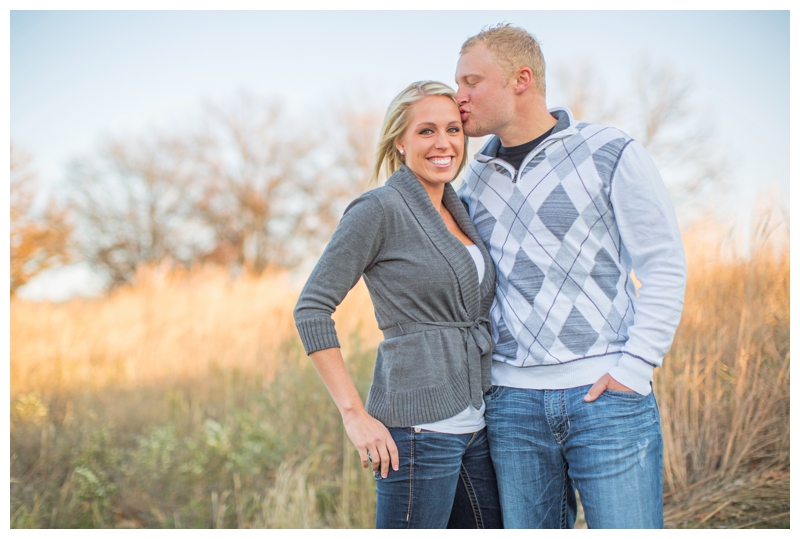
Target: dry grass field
x,y
186,401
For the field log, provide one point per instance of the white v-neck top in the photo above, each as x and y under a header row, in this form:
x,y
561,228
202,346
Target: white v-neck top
x,y
478,258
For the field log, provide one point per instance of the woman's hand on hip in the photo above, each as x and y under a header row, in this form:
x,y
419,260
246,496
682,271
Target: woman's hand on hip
x,y
366,432
372,440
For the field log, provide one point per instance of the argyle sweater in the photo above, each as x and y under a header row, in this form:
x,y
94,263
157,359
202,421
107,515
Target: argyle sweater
x,y
586,208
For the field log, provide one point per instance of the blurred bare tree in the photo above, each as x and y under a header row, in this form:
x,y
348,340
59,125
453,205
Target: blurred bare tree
x,y
242,187
247,186
263,186
359,133
39,239
660,115
354,140
129,208
586,93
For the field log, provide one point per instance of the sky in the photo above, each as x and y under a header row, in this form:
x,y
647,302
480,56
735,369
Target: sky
x,y
78,76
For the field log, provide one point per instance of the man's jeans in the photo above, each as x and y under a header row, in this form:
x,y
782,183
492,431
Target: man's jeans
x,y
444,481
546,443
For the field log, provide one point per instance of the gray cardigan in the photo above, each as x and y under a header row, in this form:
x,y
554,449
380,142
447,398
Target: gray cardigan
x,y
436,355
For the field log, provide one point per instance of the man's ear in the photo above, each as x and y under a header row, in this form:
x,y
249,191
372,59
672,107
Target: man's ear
x,y
523,80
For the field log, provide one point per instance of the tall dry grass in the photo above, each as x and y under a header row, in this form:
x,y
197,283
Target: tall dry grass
x,y
183,401
724,388
187,401
173,324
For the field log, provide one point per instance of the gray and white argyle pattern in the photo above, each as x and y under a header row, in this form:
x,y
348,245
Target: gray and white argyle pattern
x,y
562,292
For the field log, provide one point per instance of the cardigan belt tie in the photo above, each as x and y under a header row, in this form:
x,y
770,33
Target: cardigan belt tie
x,y
478,345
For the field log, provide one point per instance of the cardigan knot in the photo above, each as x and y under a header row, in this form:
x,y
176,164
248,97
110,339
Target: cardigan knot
x,y
481,336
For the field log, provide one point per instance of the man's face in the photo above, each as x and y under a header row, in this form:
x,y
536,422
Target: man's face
x,y
485,97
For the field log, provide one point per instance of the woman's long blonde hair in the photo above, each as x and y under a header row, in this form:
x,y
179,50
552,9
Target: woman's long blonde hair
x,y
396,121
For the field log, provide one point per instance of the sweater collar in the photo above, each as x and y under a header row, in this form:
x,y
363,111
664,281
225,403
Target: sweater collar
x,y
565,127
418,201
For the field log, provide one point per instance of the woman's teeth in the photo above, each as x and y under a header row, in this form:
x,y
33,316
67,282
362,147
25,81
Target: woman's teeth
x,y
440,160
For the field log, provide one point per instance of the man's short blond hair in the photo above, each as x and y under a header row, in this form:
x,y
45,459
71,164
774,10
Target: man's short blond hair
x,y
513,47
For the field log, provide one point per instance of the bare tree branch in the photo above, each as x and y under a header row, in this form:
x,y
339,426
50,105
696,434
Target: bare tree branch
x,y
586,93
129,209
661,116
38,242
243,187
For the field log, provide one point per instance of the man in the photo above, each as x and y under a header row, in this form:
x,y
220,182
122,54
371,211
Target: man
x,y
568,210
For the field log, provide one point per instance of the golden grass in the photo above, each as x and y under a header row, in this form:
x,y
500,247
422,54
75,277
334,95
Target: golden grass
x,y
724,388
170,325
163,405
186,401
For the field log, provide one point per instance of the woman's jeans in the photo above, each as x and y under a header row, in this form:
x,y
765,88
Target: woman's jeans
x,y
444,481
546,443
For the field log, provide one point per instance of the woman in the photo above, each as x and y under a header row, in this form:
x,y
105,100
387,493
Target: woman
x,y
432,283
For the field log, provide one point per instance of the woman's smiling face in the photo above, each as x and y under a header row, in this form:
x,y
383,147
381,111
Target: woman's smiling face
x,y
433,142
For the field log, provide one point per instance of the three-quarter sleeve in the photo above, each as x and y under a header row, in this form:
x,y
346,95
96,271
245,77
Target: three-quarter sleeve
x,y
354,247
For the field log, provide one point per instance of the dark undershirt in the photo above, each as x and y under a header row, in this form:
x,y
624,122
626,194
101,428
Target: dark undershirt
x,y
515,154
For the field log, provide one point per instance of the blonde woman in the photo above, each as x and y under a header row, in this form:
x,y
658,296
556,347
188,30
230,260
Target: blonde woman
x,y
432,282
